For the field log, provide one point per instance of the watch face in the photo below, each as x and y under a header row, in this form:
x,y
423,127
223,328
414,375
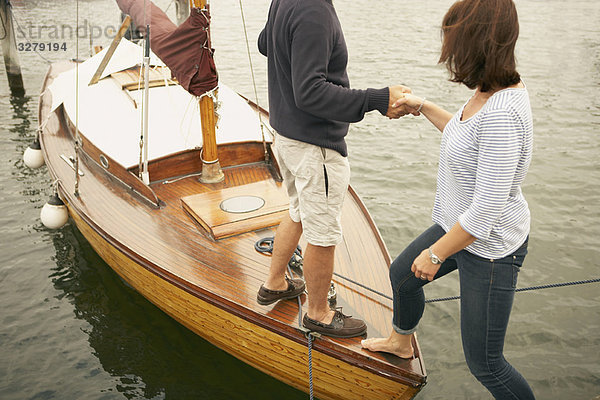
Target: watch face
x,y
434,259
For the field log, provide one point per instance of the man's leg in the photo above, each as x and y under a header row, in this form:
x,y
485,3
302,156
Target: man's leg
x,y
277,285
286,239
318,271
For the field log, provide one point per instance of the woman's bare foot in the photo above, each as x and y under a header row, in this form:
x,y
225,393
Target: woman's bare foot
x,y
396,344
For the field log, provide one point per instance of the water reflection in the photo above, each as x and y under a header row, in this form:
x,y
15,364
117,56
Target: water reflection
x,y
22,130
20,106
150,354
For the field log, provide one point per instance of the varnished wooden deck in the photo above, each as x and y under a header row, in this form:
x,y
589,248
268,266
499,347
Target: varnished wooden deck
x,y
210,285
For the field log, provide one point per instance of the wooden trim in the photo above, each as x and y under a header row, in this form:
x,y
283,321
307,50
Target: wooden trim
x,y
129,79
111,50
367,214
188,161
240,153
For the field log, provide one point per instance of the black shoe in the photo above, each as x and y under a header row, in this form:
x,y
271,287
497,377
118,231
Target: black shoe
x,y
267,296
342,326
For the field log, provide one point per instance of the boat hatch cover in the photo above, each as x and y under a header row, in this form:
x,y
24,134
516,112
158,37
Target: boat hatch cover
x,y
236,210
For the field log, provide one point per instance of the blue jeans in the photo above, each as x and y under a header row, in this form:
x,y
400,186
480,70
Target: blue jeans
x,y
487,289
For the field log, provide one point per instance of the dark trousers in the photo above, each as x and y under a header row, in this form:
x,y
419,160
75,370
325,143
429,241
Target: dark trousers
x,y
487,289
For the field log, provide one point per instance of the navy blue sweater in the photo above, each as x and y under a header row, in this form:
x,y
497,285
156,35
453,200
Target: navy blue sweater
x,y
309,92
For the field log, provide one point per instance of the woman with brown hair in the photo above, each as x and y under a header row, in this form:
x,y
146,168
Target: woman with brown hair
x,y
481,219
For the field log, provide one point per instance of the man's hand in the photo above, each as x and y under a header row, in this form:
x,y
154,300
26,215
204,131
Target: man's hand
x,y
397,93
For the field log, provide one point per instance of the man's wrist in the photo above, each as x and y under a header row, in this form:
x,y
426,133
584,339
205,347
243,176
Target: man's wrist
x,y
379,99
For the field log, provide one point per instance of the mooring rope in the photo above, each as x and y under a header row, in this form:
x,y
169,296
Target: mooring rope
x,y
362,285
310,375
525,289
308,334
265,245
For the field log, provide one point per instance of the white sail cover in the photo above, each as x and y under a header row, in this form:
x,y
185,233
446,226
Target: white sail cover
x,y
109,118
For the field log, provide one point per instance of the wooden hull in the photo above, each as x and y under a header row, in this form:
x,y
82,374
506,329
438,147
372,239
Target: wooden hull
x,y
272,353
209,285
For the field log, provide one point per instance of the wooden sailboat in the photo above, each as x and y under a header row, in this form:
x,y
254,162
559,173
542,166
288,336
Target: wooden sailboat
x,y
188,244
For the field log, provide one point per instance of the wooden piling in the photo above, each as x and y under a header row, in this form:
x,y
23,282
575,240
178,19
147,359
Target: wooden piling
x,y
9,50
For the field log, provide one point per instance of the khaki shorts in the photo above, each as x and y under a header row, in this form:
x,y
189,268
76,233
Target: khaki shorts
x,y
316,179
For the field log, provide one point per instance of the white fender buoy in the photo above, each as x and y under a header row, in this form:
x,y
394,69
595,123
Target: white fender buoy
x,y
33,156
54,214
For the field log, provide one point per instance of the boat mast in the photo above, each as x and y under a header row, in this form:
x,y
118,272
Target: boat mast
x,y
211,169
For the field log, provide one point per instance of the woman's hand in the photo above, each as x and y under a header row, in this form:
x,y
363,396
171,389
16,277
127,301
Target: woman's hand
x,y
423,268
410,103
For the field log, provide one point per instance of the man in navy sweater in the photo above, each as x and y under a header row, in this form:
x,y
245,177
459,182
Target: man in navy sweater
x,y
311,106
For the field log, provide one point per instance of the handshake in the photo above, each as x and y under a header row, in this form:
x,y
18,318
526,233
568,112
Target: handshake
x,y
403,102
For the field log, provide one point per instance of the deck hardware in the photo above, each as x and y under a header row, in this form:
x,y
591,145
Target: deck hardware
x,y
242,204
104,161
71,162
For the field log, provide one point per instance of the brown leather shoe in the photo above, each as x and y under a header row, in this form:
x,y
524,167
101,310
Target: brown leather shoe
x,y
342,326
267,296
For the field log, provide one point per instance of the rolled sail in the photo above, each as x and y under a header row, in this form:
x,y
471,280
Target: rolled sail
x,y
186,49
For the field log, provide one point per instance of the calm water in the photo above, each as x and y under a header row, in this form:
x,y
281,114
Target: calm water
x,y
70,329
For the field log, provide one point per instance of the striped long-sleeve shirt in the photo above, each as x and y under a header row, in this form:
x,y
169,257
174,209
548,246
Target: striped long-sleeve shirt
x,y
483,161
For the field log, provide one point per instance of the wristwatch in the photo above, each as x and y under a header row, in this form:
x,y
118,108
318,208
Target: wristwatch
x,y
434,259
